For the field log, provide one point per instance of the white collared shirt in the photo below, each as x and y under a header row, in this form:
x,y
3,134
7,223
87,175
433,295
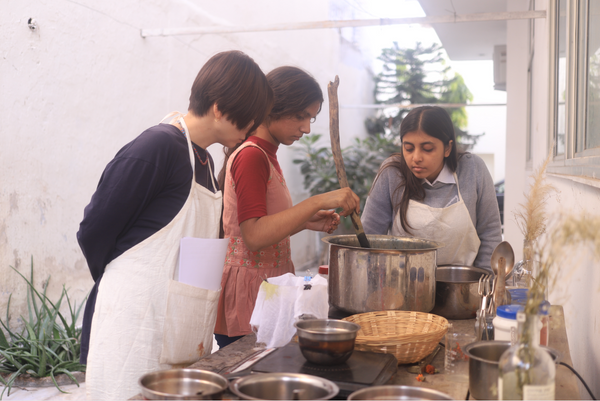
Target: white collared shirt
x,y
445,176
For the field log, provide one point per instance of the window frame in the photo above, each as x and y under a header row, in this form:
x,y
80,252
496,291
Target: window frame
x,y
586,163
530,95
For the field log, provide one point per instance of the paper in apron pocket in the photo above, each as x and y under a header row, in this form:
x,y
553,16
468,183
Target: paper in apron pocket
x,y
192,300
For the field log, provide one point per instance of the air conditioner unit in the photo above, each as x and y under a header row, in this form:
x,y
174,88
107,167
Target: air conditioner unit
x,y
500,67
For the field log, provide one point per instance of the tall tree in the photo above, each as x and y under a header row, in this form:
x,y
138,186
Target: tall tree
x,y
418,76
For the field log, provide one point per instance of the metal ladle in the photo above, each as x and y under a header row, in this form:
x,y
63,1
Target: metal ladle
x,y
503,250
503,261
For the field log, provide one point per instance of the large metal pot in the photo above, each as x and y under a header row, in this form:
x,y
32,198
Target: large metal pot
x,y
456,293
396,273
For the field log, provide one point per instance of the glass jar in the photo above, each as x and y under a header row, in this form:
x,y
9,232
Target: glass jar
x,y
523,269
526,371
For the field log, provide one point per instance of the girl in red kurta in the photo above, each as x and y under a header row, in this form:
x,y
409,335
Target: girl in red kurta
x,y
258,215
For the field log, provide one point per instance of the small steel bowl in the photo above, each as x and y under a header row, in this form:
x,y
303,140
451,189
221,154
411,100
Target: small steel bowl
x,y
398,393
326,341
183,384
283,386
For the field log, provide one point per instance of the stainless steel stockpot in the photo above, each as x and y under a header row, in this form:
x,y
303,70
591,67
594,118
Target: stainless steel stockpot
x,y
456,293
396,273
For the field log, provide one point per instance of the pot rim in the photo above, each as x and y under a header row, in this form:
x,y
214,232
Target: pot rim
x,y
430,391
432,245
330,386
181,372
556,356
462,267
346,327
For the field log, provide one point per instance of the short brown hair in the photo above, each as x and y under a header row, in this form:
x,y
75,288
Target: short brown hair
x,y
237,85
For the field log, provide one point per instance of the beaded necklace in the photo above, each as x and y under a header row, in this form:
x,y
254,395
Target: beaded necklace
x,y
199,158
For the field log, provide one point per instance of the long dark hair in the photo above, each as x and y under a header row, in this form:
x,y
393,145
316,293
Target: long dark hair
x,y
294,90
435,122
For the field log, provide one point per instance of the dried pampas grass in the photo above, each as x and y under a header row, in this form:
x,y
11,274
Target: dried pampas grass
x,y
531,218
571,231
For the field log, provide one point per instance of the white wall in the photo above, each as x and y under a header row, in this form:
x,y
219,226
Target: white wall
x,y
83,84
516,124
578,279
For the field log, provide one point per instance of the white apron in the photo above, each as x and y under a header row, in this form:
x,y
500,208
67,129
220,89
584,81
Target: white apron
x,y
143,319
451,225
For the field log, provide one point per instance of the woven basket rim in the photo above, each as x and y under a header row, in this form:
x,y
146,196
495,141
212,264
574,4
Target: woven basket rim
x,y
440,322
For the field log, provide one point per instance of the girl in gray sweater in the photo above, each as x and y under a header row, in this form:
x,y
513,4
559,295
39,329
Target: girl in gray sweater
x,y
430,191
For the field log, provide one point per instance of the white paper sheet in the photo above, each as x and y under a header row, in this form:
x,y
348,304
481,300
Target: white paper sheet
x,y
201,262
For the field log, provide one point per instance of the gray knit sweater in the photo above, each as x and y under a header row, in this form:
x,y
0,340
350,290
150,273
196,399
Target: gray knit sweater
x,y
476,188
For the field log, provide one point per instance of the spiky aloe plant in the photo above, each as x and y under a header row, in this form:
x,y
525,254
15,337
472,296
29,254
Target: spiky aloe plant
x,y
47,345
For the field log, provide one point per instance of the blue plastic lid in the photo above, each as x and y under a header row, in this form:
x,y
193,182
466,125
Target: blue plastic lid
x,y
509,311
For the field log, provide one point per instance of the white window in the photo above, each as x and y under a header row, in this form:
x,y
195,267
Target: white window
x,y
575,88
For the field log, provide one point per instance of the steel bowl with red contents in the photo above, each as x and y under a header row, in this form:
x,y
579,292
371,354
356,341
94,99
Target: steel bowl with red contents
x,y
326,341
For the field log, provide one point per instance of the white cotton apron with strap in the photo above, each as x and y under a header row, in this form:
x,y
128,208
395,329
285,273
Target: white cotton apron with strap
x,y
144,320
451,225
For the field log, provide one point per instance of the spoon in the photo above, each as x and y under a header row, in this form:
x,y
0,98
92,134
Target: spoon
x,y
503,250
500,286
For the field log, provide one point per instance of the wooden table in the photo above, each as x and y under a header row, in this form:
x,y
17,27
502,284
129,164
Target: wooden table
x,y
567,388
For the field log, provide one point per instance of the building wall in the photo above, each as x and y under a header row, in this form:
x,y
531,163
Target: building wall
x,y
84,83
577,285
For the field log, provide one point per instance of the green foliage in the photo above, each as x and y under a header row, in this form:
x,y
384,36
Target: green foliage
x,y
418,76
47,345
361,161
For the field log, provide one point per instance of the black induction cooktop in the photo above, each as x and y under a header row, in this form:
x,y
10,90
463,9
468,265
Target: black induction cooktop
x,y
363,369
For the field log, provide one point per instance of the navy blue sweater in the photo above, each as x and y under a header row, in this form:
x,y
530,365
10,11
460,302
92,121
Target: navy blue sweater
x,y
141,190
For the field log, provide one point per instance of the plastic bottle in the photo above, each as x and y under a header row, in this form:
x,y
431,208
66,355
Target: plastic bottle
x,y
505,323
324,271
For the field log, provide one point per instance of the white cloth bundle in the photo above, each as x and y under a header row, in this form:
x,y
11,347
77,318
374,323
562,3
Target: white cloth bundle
x,y
281,301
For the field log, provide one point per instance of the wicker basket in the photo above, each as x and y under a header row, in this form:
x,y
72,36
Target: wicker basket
x,y
409,336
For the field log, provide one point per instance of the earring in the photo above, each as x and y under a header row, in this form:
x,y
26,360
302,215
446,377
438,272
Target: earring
x,y
217,120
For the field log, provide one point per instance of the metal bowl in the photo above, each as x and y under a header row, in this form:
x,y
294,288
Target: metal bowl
x,y
456,293
398,393
326,341
484,358
182,384
283,386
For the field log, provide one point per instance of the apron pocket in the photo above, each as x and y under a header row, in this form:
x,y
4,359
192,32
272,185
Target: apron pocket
x,y
189,323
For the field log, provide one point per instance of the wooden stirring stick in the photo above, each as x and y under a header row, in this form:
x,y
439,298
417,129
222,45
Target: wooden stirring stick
x,y
334,130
